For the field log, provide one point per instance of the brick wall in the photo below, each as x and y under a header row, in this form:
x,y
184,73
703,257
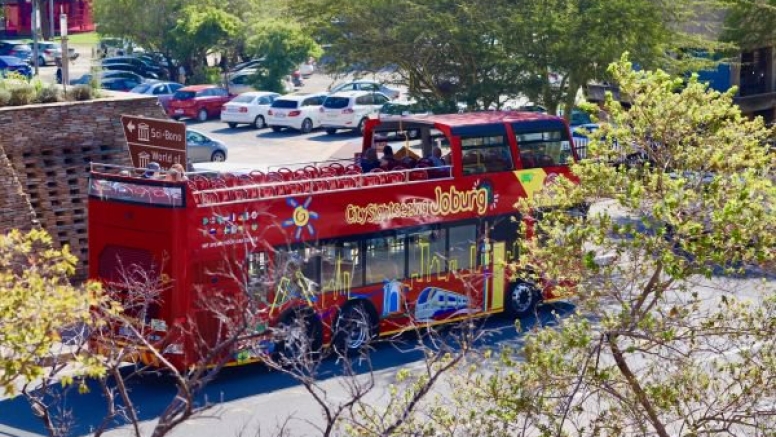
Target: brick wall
x,y
45,151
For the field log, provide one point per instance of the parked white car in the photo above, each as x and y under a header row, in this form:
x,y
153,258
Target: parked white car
x,y
248,108
300,111
350,110
367,85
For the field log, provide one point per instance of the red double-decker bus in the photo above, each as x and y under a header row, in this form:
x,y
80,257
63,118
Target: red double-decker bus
x,y
356,255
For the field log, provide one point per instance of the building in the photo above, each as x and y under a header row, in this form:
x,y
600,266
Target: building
x,y
17,16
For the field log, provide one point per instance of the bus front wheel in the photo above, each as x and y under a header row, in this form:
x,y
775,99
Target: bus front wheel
x,y
355,330
523,298
300,339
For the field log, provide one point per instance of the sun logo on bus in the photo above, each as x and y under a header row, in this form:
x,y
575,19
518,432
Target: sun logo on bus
x,y
301,217
488,187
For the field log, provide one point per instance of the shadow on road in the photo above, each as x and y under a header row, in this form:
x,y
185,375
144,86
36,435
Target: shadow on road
x,y
339,136
153,393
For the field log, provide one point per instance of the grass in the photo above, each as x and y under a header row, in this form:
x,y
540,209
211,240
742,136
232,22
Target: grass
x,y
90,39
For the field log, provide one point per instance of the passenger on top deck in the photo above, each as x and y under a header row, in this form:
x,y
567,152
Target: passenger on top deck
x,y
436,157
388,161
369,160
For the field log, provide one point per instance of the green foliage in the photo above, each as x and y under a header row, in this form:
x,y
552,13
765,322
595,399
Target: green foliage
x,y
80,93
49,94
284,46
750,24
5,97
199,29
21,94
37,301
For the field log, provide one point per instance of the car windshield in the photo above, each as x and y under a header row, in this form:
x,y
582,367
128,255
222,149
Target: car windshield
x,y
280,103
336,102
243,99
141,89
184,95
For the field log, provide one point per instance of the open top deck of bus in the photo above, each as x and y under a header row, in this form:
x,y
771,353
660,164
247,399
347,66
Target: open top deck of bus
x,y
213,188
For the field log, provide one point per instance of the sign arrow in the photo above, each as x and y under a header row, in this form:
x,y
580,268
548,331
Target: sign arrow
x,y
131,127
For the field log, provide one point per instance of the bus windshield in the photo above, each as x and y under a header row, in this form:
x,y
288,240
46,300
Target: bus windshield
x,y
134,191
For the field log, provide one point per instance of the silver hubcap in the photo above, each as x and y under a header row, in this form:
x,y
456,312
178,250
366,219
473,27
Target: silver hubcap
x,y
259,123
357,329
202,115
218,157
306,126
522,297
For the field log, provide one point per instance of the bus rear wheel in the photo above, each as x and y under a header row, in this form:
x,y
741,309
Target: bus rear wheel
x,y
301,339
523,298
354,331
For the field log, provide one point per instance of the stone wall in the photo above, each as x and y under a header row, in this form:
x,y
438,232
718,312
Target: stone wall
x,y
45,152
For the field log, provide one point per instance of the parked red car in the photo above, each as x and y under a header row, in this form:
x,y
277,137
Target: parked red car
x,y
198,101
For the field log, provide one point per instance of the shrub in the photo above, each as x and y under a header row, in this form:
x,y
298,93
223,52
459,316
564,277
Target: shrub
x,y
49,94
80,93
5,97
21,94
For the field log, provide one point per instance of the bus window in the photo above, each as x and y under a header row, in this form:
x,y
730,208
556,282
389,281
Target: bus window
x,y
544,149
427,252
297,272
486,155
384,258
341,266
463,247
258,275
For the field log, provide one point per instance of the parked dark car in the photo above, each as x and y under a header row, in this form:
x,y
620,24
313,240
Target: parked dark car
x,y
12,64
119,84
162,90
198,101
86,78
17,50
129,63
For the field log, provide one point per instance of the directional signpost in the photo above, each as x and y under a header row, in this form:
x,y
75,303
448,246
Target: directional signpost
x,y
155,140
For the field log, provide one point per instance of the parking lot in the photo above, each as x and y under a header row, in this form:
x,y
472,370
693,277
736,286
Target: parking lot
x,y
252,148
259,149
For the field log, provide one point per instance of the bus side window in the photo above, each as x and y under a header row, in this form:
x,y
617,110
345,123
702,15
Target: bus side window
x,y
258,274
384,258
463,247
341,266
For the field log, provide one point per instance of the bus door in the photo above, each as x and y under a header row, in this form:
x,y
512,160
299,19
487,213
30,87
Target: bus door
x,y
499,247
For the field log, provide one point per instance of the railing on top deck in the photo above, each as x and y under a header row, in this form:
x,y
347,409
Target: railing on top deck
x,y
230,188
211,188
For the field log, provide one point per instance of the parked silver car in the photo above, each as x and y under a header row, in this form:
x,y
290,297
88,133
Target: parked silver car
x,y
201,148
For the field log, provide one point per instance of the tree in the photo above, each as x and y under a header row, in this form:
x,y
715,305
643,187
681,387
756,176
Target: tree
x,y
284,46
750,24
673,335
36,304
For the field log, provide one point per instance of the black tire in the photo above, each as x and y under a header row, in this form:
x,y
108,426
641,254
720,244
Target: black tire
x,y
259,122
232,125
523,299
331,131
276,128
301,339
176,117
361,125
354,331
307,126
41,61
218,156
202,115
